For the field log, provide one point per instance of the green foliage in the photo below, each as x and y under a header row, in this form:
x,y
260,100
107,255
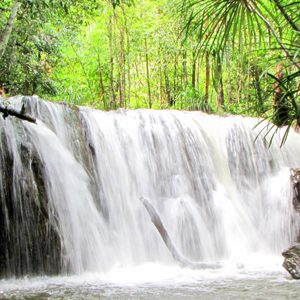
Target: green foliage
x,y
192,99
210,55
268,27
32,47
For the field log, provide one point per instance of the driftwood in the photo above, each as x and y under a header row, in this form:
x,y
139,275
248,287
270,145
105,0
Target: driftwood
x,y
8,111
155,218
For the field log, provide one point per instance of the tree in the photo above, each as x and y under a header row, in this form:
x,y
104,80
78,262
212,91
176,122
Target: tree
x,y
29,42
27,46
7,31
242,25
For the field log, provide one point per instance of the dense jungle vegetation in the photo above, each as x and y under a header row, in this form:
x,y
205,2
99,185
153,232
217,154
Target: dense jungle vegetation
x,y
232,56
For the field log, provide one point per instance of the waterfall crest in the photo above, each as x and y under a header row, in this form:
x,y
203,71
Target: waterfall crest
x,y
70,188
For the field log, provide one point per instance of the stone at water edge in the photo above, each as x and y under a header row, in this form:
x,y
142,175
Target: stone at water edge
x,y
295,180
292,261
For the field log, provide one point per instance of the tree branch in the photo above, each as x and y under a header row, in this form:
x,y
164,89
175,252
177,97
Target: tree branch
x,y
169,243
7,111
286,15
254,8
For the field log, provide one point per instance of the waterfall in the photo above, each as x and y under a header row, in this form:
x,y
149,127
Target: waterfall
x,y
70,188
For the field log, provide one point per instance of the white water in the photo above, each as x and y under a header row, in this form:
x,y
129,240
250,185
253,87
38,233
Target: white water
x,y
221,196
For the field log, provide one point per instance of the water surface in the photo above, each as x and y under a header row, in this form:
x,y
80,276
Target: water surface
x,y
153,281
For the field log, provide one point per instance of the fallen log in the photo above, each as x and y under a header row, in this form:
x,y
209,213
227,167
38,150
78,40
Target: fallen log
x,y
8,111
155,218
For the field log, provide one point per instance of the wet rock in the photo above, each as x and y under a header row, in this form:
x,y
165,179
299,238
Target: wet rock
x,y
295,179
292,261
6,209
29,241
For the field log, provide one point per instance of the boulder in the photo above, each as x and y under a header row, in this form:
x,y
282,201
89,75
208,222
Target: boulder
x,y
292,260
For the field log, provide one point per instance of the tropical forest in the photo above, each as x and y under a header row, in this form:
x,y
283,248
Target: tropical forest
x,y
239,57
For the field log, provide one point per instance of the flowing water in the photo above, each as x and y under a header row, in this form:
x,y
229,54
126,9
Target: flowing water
x,y
73,226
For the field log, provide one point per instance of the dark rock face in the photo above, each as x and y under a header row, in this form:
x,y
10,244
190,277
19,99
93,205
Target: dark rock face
x,y
295,179
29,242
292,255
292,261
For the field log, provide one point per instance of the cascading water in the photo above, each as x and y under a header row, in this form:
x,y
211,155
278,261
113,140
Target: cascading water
x,y
70,189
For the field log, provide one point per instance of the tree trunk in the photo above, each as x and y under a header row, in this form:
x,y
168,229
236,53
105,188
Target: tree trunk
x,y
127,58
161,93
102,89
256,77
207,76
161,86
240,85
198,74
175,75
184,69
111,79
248,83
220,98
281,110
7,32
137,74
148,74
167,85
194,66
122,74
229,83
